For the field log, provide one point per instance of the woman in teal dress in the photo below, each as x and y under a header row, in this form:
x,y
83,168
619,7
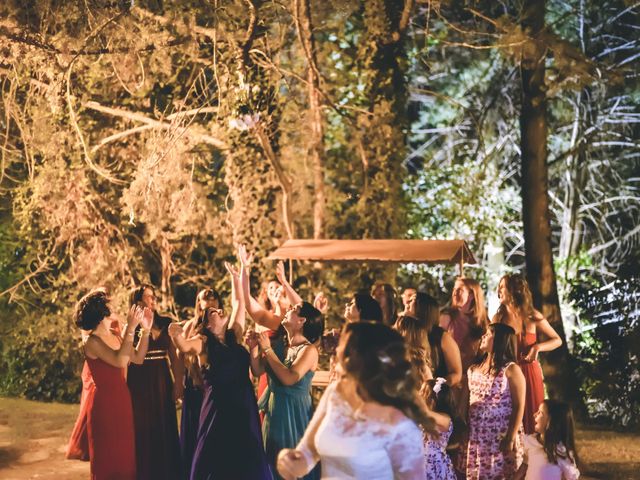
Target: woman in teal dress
x,y
290,365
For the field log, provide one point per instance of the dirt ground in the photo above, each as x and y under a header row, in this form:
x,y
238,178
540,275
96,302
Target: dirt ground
x,y
34,435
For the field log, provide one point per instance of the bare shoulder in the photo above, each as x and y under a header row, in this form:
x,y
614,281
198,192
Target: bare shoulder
x,y
537,316
513,370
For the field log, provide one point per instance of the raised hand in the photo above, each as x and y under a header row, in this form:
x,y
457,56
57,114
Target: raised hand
x,y
264,341
280,273
175,329
275,296
134,316
244,257
233,271
251,339
321,302
146,318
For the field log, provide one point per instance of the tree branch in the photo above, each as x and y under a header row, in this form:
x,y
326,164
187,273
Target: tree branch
x,y
139,117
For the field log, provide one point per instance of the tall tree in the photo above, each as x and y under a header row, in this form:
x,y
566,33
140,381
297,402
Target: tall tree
x,y
535,200
304,26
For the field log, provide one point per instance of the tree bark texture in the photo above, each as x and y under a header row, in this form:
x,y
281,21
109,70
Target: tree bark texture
x,y
535,201
302,14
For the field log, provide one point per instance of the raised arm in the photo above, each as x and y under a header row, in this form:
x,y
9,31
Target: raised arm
x,y
138,354
289,292
237,320
96,348
193,345
306,360
257,312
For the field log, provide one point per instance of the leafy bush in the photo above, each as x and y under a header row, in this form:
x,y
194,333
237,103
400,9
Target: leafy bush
x,y
41,360
607,348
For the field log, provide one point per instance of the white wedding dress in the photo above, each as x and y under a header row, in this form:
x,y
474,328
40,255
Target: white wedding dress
x,y
352,446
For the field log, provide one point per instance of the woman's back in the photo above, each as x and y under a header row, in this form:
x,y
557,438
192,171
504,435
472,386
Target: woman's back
x,y
354,446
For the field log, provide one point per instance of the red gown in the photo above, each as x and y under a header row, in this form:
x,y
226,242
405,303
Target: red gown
x,y
533,376
104,429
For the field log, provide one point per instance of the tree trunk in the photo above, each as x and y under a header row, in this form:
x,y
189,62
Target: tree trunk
x,y
535,201
302,14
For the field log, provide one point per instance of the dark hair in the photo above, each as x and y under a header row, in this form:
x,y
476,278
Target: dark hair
x,y
368,307
92,309
427,310
136,294
505,346
376,357
313,326
443,401
559,431
392,297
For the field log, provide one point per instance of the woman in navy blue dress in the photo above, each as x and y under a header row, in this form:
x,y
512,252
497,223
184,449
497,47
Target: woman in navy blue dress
x,y
229,443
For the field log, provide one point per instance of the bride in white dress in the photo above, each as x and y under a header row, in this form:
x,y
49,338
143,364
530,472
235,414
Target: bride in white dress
x,y
366,424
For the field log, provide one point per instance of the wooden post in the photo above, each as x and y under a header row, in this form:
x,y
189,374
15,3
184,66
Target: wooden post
x,y
461,264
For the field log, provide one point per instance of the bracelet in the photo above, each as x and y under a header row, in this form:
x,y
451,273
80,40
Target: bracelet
x,y
143,332
267,350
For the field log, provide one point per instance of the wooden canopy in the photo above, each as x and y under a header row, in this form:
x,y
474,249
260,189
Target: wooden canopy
x,y
402,251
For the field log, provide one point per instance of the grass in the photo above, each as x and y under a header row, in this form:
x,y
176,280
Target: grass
x,y
34,436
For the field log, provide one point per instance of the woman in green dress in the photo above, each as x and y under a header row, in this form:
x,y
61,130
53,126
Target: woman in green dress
x,y
290,366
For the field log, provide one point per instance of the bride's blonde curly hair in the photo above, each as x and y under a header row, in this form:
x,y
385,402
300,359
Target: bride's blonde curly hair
x,y
376,356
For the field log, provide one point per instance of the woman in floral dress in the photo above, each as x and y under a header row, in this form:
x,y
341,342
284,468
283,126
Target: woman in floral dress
x,y
496,405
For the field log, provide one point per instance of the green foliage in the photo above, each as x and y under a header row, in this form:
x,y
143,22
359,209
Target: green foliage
x,y
607,346
41,362
110,175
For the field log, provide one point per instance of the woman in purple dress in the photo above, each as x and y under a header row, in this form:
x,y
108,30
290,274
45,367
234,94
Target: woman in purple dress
x,y
193,383
229,443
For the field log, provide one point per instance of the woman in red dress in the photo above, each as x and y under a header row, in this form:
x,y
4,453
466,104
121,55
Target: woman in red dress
x,y
105,414
516,310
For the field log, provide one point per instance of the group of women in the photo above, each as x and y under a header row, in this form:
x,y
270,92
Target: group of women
x,y
416,392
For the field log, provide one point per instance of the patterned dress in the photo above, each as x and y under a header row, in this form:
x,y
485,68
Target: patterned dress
x,y
489,411
437,462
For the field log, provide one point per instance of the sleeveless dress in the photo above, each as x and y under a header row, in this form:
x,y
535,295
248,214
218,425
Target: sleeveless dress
x,y
105,422
437,462
190,416
78,448
229,444
533,376
489,411
288,409
352,446
154,411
